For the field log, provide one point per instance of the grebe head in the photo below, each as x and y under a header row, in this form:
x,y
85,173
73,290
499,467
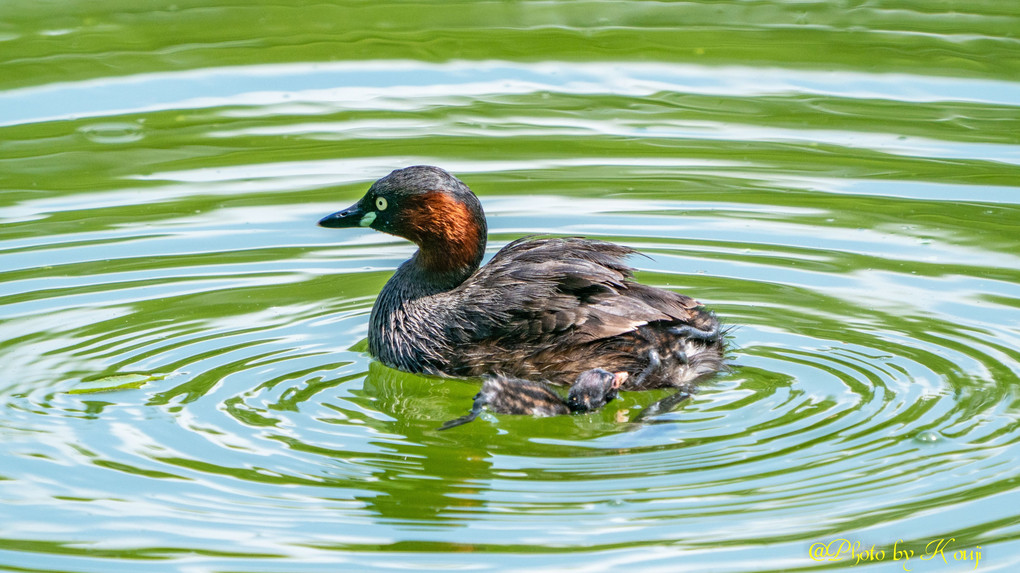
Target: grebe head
x,y
593,389
429,207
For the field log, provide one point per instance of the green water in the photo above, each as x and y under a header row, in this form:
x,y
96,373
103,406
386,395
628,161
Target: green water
x,y
840,181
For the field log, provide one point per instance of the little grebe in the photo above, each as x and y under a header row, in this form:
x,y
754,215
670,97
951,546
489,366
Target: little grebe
x,y
592,390
543,308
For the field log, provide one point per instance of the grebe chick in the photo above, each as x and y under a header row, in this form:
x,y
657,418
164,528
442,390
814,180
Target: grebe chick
x,y
542,308
592,390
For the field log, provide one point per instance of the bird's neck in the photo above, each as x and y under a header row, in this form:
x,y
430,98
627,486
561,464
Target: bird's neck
x,y
450,235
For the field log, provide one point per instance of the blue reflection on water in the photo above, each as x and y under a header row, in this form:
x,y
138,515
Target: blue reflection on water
x,y
359,81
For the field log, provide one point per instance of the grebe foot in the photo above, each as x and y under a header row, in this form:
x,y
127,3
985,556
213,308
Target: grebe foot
x,y
476,409
458,421
680,355
692,332
654,362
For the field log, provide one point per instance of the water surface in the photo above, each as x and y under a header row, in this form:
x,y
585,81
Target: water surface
x,y
838,181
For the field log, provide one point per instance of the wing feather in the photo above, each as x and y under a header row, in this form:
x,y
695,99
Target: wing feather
x,y
535,289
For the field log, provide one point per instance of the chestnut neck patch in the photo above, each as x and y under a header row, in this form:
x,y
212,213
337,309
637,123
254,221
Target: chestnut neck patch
x,y
445,229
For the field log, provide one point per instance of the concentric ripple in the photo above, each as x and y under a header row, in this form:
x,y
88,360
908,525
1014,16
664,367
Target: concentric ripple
x,y
857,232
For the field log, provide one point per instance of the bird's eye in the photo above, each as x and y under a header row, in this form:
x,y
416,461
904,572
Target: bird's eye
x,y
380,203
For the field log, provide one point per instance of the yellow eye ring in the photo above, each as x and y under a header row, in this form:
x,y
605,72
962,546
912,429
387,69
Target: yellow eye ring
x,y
380,203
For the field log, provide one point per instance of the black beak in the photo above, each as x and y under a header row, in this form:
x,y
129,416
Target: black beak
x,y
349,217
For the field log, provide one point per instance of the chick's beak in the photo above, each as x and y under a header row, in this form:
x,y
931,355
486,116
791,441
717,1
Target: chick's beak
x,y
353,216
619,378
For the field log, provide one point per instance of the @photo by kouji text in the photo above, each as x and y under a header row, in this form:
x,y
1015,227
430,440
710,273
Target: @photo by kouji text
x,y
943,549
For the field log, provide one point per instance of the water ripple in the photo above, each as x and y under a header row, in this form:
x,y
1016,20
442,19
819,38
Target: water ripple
x,y
857,230
402,85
